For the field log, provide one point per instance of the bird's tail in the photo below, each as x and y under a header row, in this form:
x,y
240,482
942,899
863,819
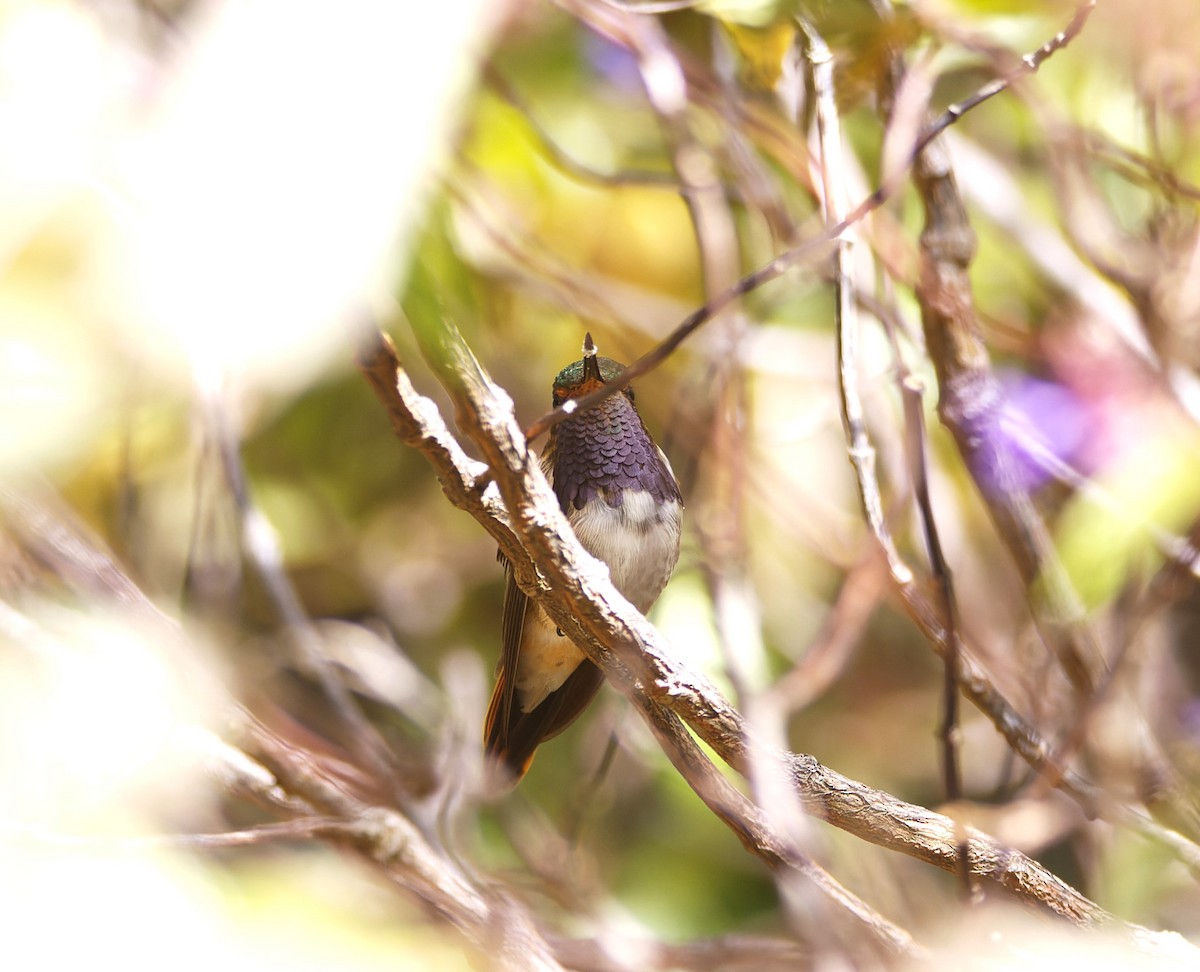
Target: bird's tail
x,y
511,736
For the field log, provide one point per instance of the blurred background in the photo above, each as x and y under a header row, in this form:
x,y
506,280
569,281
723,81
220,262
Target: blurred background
x,y
204,203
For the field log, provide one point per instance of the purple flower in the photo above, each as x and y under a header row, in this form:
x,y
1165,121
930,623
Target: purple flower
x,y
1036,425
612,62
1043,420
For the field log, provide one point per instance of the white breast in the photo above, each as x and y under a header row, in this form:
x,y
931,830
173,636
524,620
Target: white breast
x,y
639,540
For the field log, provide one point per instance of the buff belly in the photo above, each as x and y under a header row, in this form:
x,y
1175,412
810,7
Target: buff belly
x,y
639,541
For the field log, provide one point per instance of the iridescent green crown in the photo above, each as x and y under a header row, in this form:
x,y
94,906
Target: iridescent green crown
x,y
572,374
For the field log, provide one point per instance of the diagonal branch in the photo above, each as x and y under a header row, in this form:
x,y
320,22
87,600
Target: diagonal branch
x,y
576,593
575,590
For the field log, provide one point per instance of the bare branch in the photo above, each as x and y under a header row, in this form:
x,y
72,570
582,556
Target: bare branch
x,y
262,548
498,926
575,592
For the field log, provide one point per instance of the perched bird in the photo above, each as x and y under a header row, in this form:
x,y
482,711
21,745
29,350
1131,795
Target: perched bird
x,y
621,498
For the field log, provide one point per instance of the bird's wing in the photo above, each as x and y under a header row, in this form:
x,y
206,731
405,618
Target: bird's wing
x,y
510,735
512,624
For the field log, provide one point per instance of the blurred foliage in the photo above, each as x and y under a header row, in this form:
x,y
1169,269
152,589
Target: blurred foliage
x,y
524,253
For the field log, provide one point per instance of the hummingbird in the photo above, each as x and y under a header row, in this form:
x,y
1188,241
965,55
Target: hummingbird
x,y
620,496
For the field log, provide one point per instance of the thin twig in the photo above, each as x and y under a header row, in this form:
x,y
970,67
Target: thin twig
x,y
811,248
1028,64
948,732
261,545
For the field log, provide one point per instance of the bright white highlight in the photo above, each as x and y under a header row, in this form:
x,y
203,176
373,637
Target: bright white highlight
x,y
273,186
